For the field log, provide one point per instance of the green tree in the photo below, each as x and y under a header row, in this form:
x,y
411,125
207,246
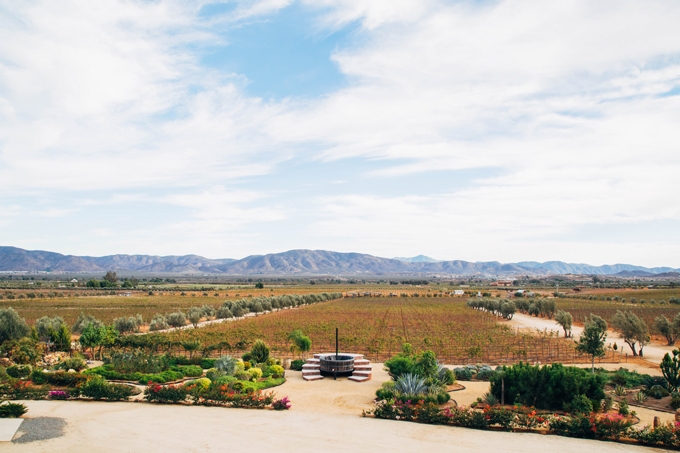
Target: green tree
x,y
632,329
592,338
259,285
12,326
667,328
92,336
111,277
565,320
61,337
259,352
300,342
670,367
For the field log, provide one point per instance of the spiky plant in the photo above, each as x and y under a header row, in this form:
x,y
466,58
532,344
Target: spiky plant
x,y
490,399
620,390
640,397
410,384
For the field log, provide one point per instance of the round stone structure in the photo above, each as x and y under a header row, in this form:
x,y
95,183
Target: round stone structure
x,y
336,364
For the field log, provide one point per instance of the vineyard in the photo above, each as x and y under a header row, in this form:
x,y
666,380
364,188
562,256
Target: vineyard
x,y
377,327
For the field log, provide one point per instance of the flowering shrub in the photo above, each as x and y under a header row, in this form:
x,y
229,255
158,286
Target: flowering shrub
x,y
667,435
225,395
58,395
282,404
171,394
22,390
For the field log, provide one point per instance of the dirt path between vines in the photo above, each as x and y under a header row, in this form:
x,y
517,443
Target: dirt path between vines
x,y
653,352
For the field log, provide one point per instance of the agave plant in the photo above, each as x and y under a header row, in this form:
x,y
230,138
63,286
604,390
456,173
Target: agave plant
x,y
620,390
410,384
640,397
490,399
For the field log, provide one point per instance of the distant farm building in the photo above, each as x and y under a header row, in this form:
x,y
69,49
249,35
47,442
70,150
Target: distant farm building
x,y
458,292
75,280
501,283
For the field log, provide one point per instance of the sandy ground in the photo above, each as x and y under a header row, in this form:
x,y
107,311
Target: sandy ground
x,y
325,417
653,352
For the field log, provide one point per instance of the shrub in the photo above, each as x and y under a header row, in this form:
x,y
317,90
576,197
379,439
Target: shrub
x,y
485,373
667,435
399,365
446,376
12,410
71,363
23,390
170,394
276,371
282,404
675,400
548,387
657,392
213,374
191,370
386,391
38,377
296,365
206,364
580,404
64,379
19,371
463,374
99,389
255,373
572,426
58,395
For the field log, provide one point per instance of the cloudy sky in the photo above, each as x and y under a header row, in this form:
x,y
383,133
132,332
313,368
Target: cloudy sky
x,y
477,130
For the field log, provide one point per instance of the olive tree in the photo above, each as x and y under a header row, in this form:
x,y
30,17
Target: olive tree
x,y
667,328
565,320
632,329
176,319
158,322
12,326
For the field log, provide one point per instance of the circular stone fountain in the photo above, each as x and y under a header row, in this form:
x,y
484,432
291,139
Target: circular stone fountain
x,y
336,365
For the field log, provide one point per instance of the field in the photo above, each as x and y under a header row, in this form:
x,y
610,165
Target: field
x,y
377,327
107,305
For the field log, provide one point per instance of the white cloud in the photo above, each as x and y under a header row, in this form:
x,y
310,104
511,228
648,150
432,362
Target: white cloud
x,y
565,100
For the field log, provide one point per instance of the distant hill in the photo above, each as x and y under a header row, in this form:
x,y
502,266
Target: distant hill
x,y
303,262
418,259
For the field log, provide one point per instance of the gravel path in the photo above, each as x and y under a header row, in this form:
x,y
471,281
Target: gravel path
x,y
40,428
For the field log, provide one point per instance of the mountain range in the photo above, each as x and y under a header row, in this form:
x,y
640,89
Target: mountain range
x,y
299,262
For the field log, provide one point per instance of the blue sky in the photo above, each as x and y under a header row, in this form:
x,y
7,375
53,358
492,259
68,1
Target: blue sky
x,y
481,131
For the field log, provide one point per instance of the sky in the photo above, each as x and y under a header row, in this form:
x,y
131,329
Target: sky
x,y
478,130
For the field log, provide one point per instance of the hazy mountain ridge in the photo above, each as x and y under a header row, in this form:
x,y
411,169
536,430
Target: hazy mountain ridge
x,y
300,262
